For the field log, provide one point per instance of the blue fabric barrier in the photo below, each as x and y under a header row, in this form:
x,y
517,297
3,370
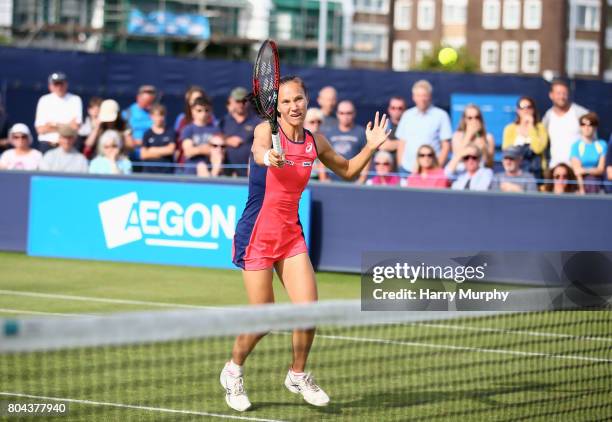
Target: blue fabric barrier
x,y
347,220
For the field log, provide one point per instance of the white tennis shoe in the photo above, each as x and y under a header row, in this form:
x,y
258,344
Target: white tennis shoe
x,y
306,386
235,394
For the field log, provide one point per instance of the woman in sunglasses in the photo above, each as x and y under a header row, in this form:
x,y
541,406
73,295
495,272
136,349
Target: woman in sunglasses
x,y
472,131
21,156
588,156
474,177
563,180
529,134
428,174
383,166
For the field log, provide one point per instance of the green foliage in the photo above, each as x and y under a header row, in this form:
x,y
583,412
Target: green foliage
x,y
465,62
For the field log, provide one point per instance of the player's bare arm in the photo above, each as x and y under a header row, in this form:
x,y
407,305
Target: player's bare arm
x,y
262,144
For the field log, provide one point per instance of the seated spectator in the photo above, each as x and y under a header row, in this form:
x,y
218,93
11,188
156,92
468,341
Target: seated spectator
x,y
21,156
184,118
58,107
111,161
513,179
217,155
563,180
383,165
5,125
428,173
474,177
313,122
347,139
158,143
137,115
90,124
608,176
196,139
395,109
65,158
472,130
327,100
530,135
588,155
238,127
109,119
422,124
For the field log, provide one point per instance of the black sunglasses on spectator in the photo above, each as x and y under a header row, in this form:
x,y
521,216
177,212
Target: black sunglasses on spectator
x,y
471,157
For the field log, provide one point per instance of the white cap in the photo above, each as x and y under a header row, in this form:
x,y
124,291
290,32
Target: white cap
x,y
109,109
21,128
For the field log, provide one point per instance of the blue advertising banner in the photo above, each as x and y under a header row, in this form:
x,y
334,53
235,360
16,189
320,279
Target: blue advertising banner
x,y
167,23
138,221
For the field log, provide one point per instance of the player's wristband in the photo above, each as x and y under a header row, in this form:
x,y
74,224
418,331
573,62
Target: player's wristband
x,y
267,158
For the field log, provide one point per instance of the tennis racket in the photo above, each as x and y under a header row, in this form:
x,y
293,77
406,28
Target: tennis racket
x,y
266,77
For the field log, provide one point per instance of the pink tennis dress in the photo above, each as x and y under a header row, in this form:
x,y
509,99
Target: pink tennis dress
x,y
270,229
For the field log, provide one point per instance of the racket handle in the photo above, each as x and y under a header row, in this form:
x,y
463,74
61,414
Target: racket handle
x,y
276,143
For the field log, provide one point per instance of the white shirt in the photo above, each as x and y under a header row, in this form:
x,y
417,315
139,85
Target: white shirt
x,y
10,160
54,109
563,131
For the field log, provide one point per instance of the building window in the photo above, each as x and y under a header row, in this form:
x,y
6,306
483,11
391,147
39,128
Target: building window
x,y
370,42
587,15
423,48
491,14
512,14
426,18
510,57
401,55
402,18
454,12
372,6
283,26
455,42
531,57
586,58
489,56
532,14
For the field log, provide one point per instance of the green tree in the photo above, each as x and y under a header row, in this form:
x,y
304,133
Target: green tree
x,y
465,62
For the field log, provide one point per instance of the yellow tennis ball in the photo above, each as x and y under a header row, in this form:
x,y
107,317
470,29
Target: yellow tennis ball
x,y
447,56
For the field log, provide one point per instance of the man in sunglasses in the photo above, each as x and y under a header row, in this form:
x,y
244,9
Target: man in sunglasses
x,y
473,177
513,179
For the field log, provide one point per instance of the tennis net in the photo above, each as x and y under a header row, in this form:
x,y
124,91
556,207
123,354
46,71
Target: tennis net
x,y
379,366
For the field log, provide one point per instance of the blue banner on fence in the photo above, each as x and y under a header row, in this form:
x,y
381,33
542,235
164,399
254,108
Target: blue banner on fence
x,y
138,221
167,23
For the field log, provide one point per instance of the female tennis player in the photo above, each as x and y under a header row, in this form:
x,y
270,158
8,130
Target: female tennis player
x,y
269,235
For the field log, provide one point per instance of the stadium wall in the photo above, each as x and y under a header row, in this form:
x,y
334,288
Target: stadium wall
x,y
24,72
348,220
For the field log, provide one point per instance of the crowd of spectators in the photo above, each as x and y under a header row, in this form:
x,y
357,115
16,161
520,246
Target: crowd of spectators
x,y
561,153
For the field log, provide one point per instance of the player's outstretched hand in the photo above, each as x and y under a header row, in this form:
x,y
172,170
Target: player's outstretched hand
x,y
276,159
377,133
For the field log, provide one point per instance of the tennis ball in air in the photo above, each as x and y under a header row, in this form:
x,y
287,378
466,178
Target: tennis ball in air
x,y
447,56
